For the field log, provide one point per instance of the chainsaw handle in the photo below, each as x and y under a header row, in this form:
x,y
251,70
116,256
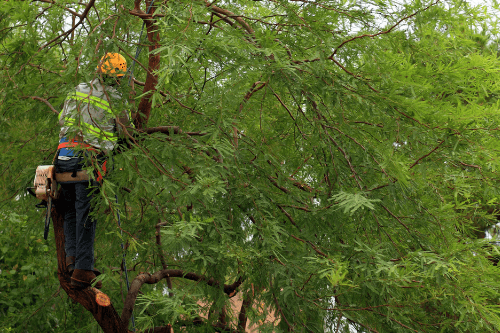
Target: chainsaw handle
x,y
47,219
30,191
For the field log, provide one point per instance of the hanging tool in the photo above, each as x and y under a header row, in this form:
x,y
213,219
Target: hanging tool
x,y
45,189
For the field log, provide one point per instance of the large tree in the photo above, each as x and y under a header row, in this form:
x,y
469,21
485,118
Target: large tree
x,y
330,164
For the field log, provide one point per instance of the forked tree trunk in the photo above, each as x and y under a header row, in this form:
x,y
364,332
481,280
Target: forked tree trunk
x,y
106,316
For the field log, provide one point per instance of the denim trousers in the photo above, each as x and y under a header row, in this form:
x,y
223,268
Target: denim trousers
x,y
79,226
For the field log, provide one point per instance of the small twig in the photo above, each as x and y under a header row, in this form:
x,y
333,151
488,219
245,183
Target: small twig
x,y
290,327
385,31
45,303
66,33
312,245
470,165
421,158
160,254
42,100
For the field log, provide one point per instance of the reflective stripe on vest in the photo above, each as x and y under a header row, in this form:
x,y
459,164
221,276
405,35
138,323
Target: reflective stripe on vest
x,y
96,101
99,133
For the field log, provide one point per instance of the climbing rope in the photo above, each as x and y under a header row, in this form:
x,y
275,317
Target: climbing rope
x,y
139,48
131,75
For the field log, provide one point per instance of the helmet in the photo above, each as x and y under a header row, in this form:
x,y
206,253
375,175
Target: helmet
x,y
113,64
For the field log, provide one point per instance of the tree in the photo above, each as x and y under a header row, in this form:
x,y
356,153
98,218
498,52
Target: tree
x,y
326,162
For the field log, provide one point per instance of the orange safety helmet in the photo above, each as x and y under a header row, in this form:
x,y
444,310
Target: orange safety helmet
x,y
113,64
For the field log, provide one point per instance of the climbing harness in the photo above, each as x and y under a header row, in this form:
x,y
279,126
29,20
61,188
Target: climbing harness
x,y
45,185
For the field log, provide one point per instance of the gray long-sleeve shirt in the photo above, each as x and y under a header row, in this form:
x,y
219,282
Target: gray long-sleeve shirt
x,y
91,112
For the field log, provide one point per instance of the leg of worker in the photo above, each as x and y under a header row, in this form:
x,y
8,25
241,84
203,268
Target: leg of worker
x,y
68,198
85,227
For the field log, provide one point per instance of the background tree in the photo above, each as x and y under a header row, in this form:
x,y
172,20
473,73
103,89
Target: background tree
x,y
327,162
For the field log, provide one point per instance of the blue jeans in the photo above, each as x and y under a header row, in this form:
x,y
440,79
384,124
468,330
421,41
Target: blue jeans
x,y
79,226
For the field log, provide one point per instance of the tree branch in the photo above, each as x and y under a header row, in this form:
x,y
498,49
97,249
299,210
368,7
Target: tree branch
x,y
237,18
162,257
82,18
145,105
58,5
158,276
242,317
42,100
421,158
382,32
169,130
160,329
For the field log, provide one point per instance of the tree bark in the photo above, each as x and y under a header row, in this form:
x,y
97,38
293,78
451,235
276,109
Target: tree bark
x,y
106,316
145,105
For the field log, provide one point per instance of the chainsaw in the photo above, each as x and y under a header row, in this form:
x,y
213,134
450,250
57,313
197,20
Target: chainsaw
x,y
45,189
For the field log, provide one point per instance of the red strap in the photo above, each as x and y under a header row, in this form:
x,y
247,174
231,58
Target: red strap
x,y
99,175
73,143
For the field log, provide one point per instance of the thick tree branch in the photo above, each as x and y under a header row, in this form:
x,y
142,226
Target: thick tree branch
x,y
145,105
237,18
158,276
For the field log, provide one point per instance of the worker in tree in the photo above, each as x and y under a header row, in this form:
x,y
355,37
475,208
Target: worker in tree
x,y
91,121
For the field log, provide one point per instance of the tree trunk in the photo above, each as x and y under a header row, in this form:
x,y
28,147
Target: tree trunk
x,y
106,316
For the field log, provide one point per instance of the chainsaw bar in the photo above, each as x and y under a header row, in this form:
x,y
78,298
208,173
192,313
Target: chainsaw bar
x,y
47,218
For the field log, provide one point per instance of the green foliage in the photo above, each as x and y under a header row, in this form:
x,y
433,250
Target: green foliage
x,y
181,306
340,158
352,202
31,299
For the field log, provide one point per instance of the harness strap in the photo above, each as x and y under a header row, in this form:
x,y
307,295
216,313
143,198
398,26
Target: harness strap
x,y
65,177
91,129
99,175
78,176
74,143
